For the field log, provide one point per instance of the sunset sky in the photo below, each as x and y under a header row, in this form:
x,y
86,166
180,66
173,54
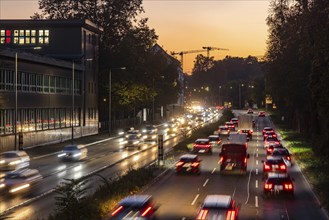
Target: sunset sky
x,y
182,25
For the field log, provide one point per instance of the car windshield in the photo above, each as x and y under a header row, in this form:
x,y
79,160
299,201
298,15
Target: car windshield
x,y
280,152
131,137
271,139
70,148
213,138
8,155
14,176
188,160
202,142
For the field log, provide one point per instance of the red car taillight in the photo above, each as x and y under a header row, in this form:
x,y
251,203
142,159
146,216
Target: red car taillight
x,y
231,214
195,164
288,186
277,142
221,159
269,150
147,210
202,214
283,167
179,164
245,161
288,158
268,186
117,210
267,167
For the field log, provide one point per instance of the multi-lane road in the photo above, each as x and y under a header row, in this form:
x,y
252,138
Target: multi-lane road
x,y
180,196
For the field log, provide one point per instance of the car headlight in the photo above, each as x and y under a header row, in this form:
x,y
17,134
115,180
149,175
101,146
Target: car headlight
x,y
144,131
2,161
19,188
14,162
120,133
77,154
61,155
2,185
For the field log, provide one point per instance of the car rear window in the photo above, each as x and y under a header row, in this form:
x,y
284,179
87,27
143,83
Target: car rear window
x,y
8,155
202,142
213,138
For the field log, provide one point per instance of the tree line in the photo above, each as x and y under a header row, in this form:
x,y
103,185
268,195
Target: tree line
x,y
127,41
297,71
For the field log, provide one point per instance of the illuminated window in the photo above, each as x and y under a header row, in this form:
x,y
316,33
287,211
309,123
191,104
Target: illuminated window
x,y
15,40
15,32
21,40
33,40
33,33
40,33
40,40
2,33
46,40
2,40
27,33
47,33
27,40
21,33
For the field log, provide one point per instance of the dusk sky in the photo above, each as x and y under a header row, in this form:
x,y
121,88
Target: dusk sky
x,y
183,25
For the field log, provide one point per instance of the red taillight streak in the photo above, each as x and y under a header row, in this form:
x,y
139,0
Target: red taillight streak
x,y
202,214
201,145
268,186
288,186
146,211
195,164
283,167
267,167
230,215
179,164
117,210
288,158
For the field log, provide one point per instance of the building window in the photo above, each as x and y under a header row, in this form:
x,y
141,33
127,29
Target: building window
x,y
5,36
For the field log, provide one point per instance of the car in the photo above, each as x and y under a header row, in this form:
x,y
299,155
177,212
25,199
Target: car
x,y
171,127
133,141
19,180
230,125
265,129
150,133
272,147
274,164
73,152
188,163
250,111
12,160
133,132
271,141
278,183
248,133
124,131
261,114
202,145
223,130
214,140
135,207
269,134
235,121
284,154
218,207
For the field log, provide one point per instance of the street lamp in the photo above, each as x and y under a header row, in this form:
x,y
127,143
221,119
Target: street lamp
x,y
110,97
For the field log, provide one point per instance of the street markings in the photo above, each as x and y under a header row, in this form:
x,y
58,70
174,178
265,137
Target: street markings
x,y
194,200
256,162
212,172
256,184
256,201
256,171
205,183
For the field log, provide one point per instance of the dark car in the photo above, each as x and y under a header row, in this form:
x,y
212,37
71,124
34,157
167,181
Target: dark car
x,y
188,163
248,133
223,130
265,129
274,164
278,184
215,140
271,141
202,145
230,125
269,134
261,114
235,121
284,154
135,207
250,111
218,207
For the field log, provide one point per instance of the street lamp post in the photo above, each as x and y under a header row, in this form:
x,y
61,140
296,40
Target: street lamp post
x,y
110,97
219,99
15,120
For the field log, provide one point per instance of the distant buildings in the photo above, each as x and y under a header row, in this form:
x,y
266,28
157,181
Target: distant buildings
x,y
49,54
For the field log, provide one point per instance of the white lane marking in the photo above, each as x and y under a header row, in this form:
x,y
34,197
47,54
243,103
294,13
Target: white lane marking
x,y
257,144
257,155
256,162
213,170
256,184
183,218
256,201
205,183
256,171
194,200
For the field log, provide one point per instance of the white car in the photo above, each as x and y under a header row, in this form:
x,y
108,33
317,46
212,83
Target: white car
x,y
73,152
13,160
19,180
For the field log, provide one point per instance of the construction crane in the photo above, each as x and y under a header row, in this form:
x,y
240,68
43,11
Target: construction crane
x,y
181,54
212,48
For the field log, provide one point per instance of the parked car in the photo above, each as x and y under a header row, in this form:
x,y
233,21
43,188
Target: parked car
x,y
12,160
278,184
73,153
218,207
135,207
19,180
188,163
